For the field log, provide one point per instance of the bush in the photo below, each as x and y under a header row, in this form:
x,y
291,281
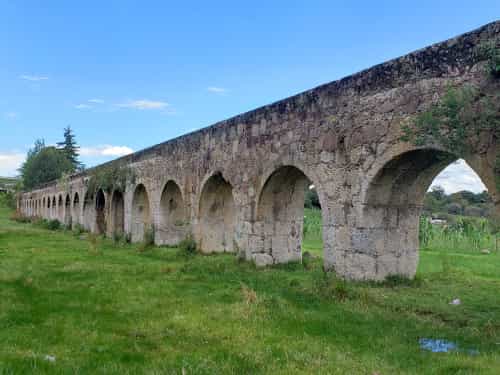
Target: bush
x,y
188,245
78,229
118,237
48,224
8,199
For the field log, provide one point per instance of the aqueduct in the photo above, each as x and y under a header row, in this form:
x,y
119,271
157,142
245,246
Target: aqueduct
x,y
238,186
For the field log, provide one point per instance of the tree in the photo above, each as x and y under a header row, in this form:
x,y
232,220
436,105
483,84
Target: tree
x,y
70,148
438,192
44,165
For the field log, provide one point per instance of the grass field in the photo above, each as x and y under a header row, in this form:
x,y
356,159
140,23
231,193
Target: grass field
x,y
116,310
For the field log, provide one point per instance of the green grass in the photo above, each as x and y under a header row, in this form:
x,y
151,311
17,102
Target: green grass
x,y
117,310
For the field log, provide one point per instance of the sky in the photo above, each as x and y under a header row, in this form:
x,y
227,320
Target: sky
x,y
126,75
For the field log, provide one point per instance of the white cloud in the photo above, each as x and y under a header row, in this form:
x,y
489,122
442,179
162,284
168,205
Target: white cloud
x,y
28,77
217,90
83,106
459,176
105,150
10,163
96,101
144,104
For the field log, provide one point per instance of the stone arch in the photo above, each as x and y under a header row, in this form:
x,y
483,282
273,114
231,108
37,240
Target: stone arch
x,y
392,202
100,217
75,211
141,214
117,213
44,206
280,215
217,215
173,221
47,213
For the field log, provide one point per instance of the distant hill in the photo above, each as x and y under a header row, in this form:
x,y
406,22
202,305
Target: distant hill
x,y
8,183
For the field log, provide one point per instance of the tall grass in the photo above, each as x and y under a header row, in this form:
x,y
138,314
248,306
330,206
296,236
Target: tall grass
x,y
459,234
313,228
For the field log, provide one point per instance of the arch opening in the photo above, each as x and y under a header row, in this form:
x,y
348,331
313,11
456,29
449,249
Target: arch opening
x,y
67,211
100,217
60,209
174,225
281,212
141,214
87,211
53,212
75,210
217,216
117,213
392,209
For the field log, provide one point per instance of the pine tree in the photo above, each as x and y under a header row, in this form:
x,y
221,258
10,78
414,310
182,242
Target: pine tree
x,y
70,148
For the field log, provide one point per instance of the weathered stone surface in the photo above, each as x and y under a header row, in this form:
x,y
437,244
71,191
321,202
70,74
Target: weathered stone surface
x,y
262,260
238,186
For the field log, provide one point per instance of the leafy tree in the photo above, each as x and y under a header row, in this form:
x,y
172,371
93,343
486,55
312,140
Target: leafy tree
x,y
70,148
438,192
312,199
44,165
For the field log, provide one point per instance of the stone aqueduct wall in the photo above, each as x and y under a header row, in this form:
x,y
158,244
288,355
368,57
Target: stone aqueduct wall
x,y
239,185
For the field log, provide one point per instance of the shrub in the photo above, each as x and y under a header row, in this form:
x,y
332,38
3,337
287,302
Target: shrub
x,y
188,245
78,229
8,199
118,237
53,224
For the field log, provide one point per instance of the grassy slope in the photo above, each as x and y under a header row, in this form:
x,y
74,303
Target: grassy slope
x,y
121,311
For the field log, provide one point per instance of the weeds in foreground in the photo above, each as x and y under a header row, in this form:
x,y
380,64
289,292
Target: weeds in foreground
x,y
249,295
188,245
328,285
93,241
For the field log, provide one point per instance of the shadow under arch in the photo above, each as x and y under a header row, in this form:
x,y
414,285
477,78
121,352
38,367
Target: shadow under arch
x,y
280,213
87,210
117,219
75,210
217,215
67,211
141,214
391,207
100,217
173,224
60,209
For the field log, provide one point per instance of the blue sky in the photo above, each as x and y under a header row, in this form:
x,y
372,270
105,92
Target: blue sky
x,y
126,75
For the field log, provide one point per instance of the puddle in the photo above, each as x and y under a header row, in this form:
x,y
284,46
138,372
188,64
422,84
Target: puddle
x,y
443,346
437,346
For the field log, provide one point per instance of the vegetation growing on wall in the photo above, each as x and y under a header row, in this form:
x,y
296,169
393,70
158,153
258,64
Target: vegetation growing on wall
x,y
462,115
456,121
110,179
490,51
